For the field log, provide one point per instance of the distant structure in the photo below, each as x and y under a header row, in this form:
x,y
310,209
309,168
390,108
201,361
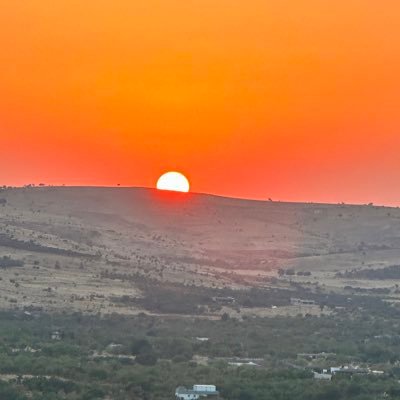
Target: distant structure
x,y
323,377
301,302
315,356
346,369
244,364
56,335
350,370
202,339
198,391
224,300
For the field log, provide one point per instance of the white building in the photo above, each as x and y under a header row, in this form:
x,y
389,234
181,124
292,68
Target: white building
x,y
241,364
205,388
202,339
198,391
323,376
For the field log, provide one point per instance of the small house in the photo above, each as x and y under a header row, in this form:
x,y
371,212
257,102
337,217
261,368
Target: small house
x,y
196,392
202,339
324,376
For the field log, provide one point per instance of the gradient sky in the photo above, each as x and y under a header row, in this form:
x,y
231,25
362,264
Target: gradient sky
x,y
288,99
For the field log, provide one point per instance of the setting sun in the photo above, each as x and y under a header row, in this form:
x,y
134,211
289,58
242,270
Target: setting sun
x,y
174,181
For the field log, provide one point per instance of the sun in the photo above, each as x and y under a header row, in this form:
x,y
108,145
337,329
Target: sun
x,y
174,181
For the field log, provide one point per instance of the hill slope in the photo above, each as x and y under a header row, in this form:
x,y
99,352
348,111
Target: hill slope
x,y
72,240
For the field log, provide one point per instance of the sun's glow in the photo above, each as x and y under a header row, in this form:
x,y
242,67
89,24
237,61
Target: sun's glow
x,y
174,181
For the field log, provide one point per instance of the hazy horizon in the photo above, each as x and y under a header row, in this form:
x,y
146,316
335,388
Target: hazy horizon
x,y
265,199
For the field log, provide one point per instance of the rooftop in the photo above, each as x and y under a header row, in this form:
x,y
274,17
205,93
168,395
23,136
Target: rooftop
x,y
183,390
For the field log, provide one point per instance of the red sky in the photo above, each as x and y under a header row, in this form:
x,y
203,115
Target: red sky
x,y
289,99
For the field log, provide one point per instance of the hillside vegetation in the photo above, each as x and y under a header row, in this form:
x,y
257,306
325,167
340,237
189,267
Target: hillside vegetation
x,y
96,249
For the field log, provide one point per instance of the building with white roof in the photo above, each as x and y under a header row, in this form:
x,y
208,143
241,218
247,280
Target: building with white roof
x,y
198,391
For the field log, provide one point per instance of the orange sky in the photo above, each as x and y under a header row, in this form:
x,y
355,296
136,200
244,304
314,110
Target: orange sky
x,y
289,99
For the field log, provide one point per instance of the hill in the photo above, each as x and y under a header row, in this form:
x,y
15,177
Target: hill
x,y
80,248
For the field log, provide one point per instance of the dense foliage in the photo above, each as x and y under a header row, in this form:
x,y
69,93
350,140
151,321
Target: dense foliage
x,y
391,272
144,357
